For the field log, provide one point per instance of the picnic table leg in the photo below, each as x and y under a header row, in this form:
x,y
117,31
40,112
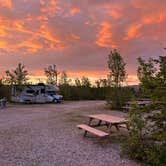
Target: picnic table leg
x,y
85,133
90,121
107,124
99,123
117,127
127,126
109,127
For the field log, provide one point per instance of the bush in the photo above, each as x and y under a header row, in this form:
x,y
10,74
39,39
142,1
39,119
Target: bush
x,y
140,147
118,97
145,151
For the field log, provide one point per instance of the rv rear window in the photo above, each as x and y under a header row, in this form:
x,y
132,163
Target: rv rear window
x,y
30,91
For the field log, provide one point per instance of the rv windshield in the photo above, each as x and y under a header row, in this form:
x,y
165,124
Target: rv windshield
x,y
51,92
30,91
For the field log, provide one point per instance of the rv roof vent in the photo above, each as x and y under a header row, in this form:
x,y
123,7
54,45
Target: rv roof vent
x,y
40,84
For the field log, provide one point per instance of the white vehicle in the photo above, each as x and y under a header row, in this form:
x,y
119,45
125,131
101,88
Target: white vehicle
x,y
36,94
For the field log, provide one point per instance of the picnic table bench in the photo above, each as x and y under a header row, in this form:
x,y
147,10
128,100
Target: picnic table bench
x,y
103,120
92,130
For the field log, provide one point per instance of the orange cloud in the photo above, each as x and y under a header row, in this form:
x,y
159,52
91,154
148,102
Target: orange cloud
x,y
55,42
8,28
3,32
74,11
75,37
18,25
41,39
104,36
42,18
30,46
6,3
3,44
4,24
114,14
50,7
155,19
133,32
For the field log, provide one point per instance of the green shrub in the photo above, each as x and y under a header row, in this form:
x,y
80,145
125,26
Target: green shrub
x,y
147,152
139,147
117,97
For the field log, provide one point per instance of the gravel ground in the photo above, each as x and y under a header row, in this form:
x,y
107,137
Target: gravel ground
x,y
46,135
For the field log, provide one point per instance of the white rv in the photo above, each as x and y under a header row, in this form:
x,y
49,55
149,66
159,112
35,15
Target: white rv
x,y
36,94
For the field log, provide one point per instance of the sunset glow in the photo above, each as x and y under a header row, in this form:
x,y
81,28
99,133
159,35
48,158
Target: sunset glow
x,y
77,36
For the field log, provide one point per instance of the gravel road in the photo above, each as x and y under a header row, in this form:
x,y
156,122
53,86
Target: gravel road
x,y
46,135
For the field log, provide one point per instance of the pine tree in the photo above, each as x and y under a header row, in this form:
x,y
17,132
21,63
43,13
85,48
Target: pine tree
x,y
19,76
116,65
51,74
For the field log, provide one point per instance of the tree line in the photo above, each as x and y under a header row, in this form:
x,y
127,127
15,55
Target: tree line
x,y
20,75
80,88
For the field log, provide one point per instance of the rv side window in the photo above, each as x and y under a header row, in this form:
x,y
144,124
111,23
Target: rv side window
x,y
42,90
51,92
30,91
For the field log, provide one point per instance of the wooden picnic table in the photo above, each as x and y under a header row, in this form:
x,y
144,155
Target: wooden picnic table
x,y
140,103
108,120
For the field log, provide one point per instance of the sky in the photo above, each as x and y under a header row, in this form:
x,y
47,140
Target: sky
x,y
77,35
